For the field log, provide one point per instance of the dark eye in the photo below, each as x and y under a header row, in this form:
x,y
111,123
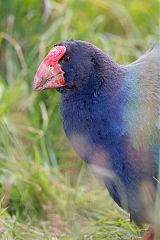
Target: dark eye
x,y
66,59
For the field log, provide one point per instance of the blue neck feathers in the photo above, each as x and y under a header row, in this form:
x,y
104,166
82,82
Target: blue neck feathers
x,y
94,113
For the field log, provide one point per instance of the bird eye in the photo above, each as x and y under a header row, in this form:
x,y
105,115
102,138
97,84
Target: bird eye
x,y
66,59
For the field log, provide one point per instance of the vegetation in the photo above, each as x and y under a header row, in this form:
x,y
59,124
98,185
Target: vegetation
x,y
45,191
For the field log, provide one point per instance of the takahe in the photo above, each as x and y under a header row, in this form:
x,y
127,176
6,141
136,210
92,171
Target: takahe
x,y
110,115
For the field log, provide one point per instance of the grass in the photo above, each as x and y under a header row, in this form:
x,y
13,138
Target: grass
x,y
45,191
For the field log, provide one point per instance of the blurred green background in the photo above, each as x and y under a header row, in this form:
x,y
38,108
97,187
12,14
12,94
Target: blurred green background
x,y
45,191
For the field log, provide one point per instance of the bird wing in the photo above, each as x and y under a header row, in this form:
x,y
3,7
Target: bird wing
x,y
142,108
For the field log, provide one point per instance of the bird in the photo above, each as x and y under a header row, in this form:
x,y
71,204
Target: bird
x,y
110,114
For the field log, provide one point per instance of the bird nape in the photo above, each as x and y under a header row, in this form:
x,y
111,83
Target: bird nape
x,y
110,115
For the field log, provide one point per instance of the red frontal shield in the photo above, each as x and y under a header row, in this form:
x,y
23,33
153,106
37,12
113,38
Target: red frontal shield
x,y
49,73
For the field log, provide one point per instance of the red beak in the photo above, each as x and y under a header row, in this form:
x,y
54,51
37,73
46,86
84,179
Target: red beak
x,y
49,73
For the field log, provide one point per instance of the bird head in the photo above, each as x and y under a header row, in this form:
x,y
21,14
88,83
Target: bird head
x,y
68,65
